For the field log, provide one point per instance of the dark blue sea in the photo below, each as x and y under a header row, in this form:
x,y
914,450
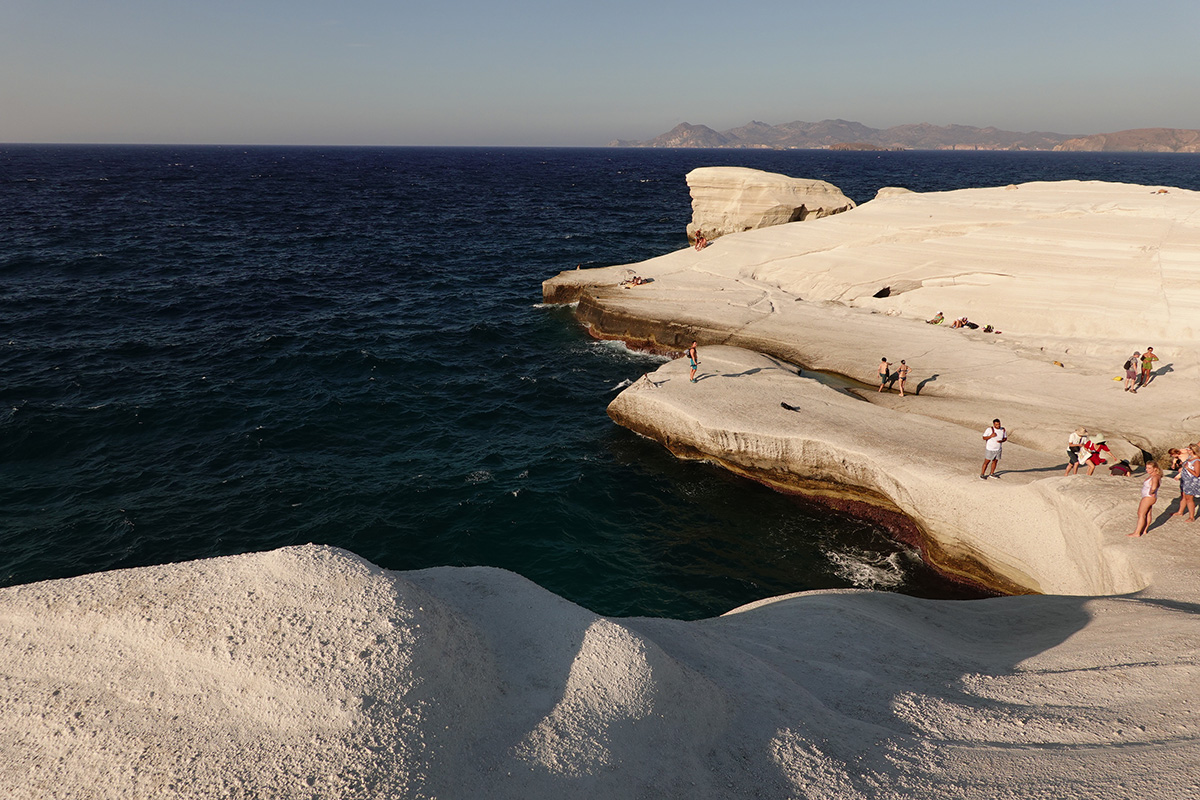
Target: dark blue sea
x,y
215,350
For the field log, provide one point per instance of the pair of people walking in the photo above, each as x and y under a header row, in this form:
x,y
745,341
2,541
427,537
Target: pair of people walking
x,y
887,377
1139,361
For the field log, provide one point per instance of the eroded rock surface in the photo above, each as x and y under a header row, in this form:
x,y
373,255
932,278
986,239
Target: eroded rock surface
x,y
310,673
734,199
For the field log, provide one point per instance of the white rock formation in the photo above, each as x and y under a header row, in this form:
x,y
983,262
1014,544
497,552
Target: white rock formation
x,y
735,199
1096,266
926,468
308,672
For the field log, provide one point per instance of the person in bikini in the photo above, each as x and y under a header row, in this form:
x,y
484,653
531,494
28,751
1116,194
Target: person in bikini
x,y
903,374
1148,359
1149,495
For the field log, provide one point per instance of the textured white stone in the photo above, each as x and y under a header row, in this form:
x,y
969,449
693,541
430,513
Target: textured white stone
x,y
307,672
734,199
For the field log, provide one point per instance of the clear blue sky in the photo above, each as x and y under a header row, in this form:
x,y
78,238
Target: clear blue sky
x,y
543,72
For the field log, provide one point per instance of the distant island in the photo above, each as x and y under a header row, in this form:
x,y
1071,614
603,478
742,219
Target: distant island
x,y
840,134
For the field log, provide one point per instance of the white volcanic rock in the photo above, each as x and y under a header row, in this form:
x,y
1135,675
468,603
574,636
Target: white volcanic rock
x,y
926,468
1097,266
1076,275
734,199
309,673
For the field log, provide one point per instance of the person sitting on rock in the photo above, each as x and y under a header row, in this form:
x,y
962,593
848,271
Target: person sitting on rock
x,y
701,242
937,319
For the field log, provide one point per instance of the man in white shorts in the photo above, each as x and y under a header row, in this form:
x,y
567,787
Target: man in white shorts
x,y
994,438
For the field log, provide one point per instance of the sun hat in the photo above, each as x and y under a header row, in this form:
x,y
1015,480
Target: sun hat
x,y
1098,439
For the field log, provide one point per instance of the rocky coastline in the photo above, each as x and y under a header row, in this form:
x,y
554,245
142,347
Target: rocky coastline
x,y
308,672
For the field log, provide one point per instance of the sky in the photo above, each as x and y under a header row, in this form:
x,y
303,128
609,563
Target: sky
x,y
555,73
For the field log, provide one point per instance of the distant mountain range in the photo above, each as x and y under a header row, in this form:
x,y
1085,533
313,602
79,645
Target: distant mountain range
x,y
840,134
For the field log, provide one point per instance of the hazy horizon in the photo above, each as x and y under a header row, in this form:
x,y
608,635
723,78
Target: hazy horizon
x,y
532,73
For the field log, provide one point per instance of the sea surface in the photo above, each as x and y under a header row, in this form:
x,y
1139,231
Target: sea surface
x,y
217,350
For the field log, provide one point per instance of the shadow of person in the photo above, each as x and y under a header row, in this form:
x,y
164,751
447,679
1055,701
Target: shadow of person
x,y
1168,511
1163,370
921,385
1059,468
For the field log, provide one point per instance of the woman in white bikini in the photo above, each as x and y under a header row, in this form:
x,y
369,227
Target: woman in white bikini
x,y
1149,495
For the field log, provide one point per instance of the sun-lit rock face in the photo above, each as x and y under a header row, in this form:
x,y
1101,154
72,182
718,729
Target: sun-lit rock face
x,y
1070,266
735,199
1080,259
310,673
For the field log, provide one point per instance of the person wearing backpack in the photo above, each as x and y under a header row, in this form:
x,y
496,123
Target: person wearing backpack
x,y
1131,372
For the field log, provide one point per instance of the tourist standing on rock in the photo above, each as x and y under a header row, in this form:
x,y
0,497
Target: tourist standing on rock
x,y
1131,371
1074,443
1149,495
1148,359
994,438
1189,483
694,360
903,374
884,374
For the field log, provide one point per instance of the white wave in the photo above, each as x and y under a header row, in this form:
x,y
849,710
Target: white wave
x,y
479,476
617,347
621,385
868,570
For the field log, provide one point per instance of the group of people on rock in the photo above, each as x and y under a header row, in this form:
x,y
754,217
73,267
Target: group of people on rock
x,y
1186,463
701,242
1083,447
1135,379
961,322
887,377
1086,448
